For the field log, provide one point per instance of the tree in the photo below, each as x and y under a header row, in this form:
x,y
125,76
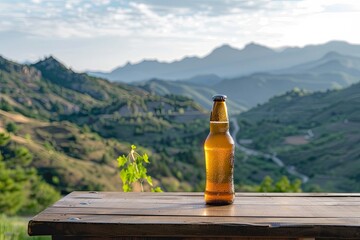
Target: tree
x,y
23,156
41,195
4,105
4,139
266,185
11,127
12,195
283,185
21,189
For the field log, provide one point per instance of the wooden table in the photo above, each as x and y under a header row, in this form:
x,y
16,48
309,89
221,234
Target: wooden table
x,y
117,215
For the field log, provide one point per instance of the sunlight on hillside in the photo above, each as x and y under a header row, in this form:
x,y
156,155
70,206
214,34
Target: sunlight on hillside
x,y
83,81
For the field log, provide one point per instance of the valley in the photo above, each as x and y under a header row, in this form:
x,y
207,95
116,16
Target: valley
x,y
250,152
300,122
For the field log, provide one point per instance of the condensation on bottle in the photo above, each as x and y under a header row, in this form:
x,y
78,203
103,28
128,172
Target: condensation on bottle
x,y
219,156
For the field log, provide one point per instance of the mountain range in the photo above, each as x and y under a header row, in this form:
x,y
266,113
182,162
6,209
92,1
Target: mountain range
x,y
227,62
333,70
76,125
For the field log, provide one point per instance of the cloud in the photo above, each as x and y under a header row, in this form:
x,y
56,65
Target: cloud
x,y
168,28
80,18
161,18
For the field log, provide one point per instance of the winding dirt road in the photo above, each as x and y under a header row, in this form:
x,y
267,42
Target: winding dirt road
x,y
250,152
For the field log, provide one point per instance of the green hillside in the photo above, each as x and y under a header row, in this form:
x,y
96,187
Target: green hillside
x,y
200,92
318,133
75,126
66,156
80,124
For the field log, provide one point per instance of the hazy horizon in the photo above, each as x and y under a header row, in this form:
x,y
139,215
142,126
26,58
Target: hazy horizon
x,y
281,48
103,34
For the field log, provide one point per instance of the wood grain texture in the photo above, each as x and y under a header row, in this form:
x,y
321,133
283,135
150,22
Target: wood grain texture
x,y
113,215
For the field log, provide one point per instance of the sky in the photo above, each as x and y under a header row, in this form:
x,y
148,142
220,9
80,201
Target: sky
x,y
104,34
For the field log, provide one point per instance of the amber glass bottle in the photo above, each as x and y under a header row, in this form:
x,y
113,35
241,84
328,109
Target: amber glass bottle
x,y
219,156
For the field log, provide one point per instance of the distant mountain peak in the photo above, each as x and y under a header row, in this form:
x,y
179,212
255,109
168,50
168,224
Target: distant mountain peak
x,y
255,47
50,62
50,59
150,60
225,48
227,61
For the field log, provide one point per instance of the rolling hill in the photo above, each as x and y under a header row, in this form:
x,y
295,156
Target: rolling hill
x,y
76,125
199,93
318,133
58,105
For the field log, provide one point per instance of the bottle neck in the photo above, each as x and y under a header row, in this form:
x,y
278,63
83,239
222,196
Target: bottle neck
x,y
219,127
219,121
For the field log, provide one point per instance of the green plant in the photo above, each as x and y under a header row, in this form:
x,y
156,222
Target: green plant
x,y
132,170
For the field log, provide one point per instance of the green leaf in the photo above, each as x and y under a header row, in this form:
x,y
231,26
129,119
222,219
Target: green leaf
x,y
133,175
139,160
142,171
123,176
149,180
146,158
133,147
122,160
126,188
157,189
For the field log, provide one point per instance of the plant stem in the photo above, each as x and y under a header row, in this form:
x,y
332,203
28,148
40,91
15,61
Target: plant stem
x,y
142,187
137,169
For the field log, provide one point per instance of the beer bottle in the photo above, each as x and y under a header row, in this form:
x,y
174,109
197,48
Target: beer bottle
x,y
219,156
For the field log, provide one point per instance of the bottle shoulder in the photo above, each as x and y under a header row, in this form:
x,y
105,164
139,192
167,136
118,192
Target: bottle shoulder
x,y
219,139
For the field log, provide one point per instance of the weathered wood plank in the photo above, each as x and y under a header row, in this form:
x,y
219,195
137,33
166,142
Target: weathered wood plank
x,y
113,214
227,211
254,203
260,221
139,195
191,230
238,200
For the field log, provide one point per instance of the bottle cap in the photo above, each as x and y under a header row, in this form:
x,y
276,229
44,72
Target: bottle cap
x,y
219,97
